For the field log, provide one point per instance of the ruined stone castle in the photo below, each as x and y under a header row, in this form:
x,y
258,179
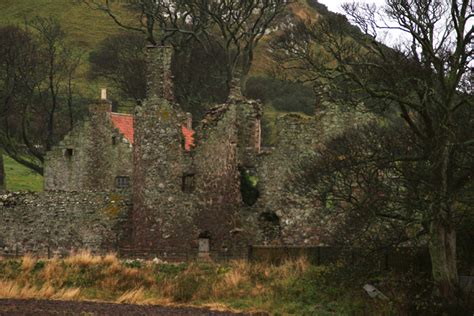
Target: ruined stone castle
x,y
156,185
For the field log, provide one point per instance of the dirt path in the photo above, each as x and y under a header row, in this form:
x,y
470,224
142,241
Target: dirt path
x,y
42,307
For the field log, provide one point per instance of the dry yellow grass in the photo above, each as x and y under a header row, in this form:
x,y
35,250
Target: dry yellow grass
x,y
111,259
84,276
11,289
83,258
27,263
52,270
135,296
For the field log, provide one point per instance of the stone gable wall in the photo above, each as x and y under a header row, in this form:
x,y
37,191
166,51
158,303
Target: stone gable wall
x,y
95,161
61,221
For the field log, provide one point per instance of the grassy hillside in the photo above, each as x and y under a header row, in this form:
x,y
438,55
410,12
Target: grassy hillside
x,y
84,27
19,178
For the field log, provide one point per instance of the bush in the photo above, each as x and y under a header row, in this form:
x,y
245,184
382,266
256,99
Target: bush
x,y
283,95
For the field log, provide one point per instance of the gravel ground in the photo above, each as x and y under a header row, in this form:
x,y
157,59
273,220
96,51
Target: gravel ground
x,y
43,307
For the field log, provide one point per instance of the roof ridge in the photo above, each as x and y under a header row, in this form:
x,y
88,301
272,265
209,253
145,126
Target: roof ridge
x,y
122,114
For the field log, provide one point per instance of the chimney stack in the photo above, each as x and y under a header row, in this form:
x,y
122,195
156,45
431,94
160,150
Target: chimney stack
x,y
159,76
189,121
101,106
103,94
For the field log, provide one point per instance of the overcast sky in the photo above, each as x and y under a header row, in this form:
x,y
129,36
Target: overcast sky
x,y
335,5
390,38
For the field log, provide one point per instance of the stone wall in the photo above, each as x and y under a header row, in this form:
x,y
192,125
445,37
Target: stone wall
x,y
286,217
162,214
90,157
61,221
180,196
216,160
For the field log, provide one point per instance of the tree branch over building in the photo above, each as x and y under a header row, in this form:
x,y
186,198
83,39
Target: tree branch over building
x,y
235,26
424,80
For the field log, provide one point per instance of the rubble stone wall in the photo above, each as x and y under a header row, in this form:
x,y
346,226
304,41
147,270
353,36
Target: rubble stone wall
x,y
285,216
61,221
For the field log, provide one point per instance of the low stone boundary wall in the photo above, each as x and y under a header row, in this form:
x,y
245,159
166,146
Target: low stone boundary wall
x,y
56,222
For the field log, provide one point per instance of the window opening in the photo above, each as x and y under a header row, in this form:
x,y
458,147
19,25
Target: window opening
x,y
187,184
68,153
248,187
122,182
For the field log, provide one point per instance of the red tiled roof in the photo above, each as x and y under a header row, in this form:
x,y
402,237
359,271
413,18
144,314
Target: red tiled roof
x,y
188,137
124,122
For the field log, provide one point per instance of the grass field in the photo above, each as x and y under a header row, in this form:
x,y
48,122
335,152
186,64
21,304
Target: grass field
x,y
20,178
85,28
294,288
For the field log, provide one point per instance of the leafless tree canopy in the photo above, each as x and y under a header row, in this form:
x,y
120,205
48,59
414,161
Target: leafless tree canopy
x,y
36,84
424,81
235,26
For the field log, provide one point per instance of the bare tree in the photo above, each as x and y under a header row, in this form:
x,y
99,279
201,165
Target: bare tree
x,y
120,59
74,61
2,173
423,80
36,79
52,39
21,74
236,26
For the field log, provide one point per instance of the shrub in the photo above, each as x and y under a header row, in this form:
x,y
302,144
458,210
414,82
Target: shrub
x,y
282,95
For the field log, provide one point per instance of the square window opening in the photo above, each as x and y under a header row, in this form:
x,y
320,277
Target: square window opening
x,y
68,153
122,182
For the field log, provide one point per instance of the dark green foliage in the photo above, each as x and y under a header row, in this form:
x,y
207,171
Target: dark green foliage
x,y
121,60
10,269
133,264
283,95
186,286
248,187
465,240
39,265
171,269
83,276
339,19
200,77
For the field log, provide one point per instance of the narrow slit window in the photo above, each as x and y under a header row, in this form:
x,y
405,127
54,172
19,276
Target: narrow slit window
x,y
187,184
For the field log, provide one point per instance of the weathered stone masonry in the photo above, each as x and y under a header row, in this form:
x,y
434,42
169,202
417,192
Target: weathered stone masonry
x,y
183,196
61,222
161,189
91,156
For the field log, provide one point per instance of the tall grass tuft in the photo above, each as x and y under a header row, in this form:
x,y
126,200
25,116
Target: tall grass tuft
x,y
135,296
83,258
27,263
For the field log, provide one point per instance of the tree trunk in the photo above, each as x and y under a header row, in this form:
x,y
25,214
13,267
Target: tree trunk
x,y
443,259
443,233
2,173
